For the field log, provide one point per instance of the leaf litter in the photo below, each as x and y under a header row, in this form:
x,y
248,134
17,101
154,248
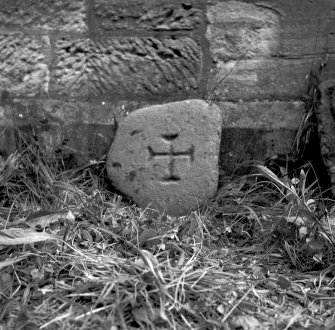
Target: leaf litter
x,y
75,255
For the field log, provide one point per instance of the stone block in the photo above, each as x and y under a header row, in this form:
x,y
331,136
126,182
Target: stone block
x,y
262,115
147,15
238,29
271,27
59,15
255,131
83,129
306,27
166,156
265,50
126,66
257,79
24,64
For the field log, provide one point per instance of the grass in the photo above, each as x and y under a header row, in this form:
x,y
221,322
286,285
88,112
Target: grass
x,y
260,255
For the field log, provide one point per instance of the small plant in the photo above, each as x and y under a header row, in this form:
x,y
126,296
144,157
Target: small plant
x,y
313,222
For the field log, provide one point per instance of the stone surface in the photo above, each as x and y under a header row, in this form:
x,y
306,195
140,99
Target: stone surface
x,y
60,15
24,64
237,29
255,131
262,115
126,66
265,49
83,129
166,156
325,115
276,27
154,15
259,79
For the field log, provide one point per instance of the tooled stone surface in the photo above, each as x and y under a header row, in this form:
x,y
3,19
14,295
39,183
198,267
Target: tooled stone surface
x,y
60,15
166,156
126,66
241,30
157,15
24,64
325,115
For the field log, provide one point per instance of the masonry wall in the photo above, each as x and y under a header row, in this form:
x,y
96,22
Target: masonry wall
x,y
69,70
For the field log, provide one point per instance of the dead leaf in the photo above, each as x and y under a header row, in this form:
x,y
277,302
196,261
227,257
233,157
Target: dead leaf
x,y
16,236
148,238
314,244
181,261
246,322
283,282
147,315
152,263
5,283
303,232
44,218
221,309
12,261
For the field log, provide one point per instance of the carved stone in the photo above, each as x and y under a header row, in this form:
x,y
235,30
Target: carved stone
x,y
166,156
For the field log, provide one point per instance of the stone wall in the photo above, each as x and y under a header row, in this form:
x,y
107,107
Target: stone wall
x,y
69,70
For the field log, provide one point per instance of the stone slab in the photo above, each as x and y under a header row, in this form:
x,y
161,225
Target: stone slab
x,y
147,15
271,27
255,131
24,64
128,66
265,49
238,29
166,156
264,78
60,15
83,129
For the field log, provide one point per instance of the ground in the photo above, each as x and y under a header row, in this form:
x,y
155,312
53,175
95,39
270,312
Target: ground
x,y
76,255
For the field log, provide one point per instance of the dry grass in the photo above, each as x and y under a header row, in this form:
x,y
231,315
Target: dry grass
x,y
259,256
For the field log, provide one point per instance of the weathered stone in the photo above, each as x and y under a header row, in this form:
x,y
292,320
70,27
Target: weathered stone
x,y
262,115
241,30
166,156
271,27
126,66
277,78
156,15
300,36
24,64
60,15
265,50
325,115
255,131
72,127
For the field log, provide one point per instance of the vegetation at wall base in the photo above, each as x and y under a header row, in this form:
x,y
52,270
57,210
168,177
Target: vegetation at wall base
x,y
74,255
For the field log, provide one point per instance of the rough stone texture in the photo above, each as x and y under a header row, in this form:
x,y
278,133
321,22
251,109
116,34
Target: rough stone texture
x,y
302,27
325,115
166,156
156,15
60,15
307,27
277,78
237,29
265,49
126,66
73,127
59,60
24,64
262,115
256,131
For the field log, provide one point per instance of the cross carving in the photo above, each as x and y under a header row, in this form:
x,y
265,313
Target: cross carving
x,y
171,155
